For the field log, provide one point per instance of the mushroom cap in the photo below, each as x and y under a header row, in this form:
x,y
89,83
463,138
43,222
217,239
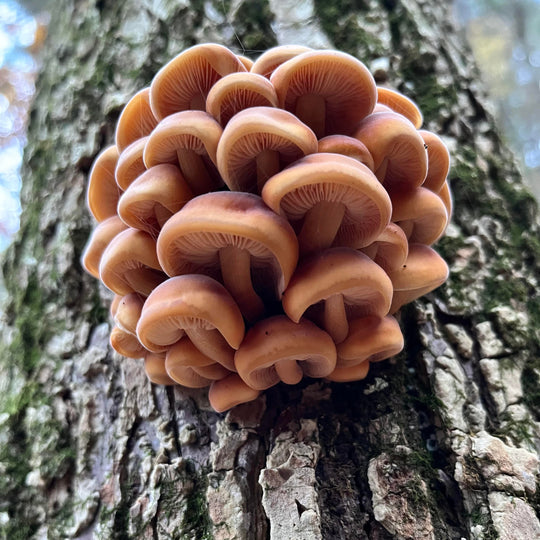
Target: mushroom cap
x,y
269,60
390,249
420,213
130,264
398,102
446,196
356,372
424,271
190,301
154,366
128,312
130,163
184,82
188,366
399,156
102,193
229,392
190,241
343,82
335,178
347,146
246,62
363,284
136,120
253,131
370,339
193,131
126,344
279,340
153,198
97,243
236,92
438,161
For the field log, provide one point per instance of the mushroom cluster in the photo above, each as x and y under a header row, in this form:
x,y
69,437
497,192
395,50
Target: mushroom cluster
x,y
263,221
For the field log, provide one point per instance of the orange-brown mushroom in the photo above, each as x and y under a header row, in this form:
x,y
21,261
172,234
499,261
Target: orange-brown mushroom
x,y
102,193
154,366
128,312
229,392
389,250
347,146
126,344
398,102
130,163
438,161
269,60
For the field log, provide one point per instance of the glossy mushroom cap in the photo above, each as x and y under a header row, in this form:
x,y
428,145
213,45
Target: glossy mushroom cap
x,y
334,200
341,284
347,146
390,249
130,163
330,91
269,60
154,366
398,102
446,196
438,161
153,198
229,392
128,312
424,271
278,349
258,143
126,344
136,120
185,81
102,193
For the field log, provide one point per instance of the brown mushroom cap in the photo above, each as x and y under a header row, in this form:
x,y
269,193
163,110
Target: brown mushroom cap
x,y
188,366
336,200
438,161
278,349
446,196
195,305
97,243
136,120
330,91
370,339
347,146
246,62
401,104
230,392
188,139
341,284
236,92
259,142
234,237
269,60
423,271
128,312
390,249
126,344
399,156
420,213
356,372
153,198
154,366
130,163
102,194
129,264
185,81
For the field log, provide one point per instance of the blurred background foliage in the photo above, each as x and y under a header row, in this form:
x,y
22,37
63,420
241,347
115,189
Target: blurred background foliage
x,y
504,35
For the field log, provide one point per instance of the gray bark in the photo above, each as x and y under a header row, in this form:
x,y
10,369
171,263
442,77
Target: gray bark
x,y
440,442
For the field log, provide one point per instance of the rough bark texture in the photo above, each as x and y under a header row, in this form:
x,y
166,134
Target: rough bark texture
x,y
438,443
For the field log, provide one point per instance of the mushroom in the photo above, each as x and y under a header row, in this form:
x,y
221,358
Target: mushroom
x,y
102,193
438,161
446,196
129,264
424,271
98,242
229,392
236,92
398,102
330,91
274,57
350,373
126,344
188,139
195,305
154,366
390,249
130,163
278,349
246,62
153,198
334,200
128,312
236,238
257,143
185,81
341,284
136,120
189,367
398,151
347,146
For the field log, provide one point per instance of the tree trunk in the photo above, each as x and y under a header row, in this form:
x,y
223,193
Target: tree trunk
x,y
439,442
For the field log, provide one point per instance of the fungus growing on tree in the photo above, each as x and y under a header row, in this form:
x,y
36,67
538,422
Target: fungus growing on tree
x,y
260,222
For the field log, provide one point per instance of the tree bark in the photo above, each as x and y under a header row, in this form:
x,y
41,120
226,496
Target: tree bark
x,y
440,442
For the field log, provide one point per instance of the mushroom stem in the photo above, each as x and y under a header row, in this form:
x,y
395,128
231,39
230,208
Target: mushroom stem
x,y
311,109
267,165
195,172
320,227
335,318
289,371
212,344
236,274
